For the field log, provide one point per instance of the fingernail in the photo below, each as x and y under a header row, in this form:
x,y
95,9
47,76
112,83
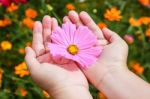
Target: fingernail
x,y
37,22
37,27
83,12
104,29
46,16
72,12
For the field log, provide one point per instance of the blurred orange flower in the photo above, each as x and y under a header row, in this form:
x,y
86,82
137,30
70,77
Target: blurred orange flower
x,y
113,14
6,45
12,8
101,25
21,50
144,20
1,75
21,70
5,22
145,2
46,94
134,22
70,6
147,32
29,44
137,68
101,95
28,22
23,92
31,13
1,23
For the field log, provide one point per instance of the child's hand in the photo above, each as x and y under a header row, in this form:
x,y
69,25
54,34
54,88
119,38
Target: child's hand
x,y
56,79
110,73
114,55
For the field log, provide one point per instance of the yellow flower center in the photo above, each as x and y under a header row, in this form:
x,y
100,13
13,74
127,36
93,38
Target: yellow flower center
x,y
73,49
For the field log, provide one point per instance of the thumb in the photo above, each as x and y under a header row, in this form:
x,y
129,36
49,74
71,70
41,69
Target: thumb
x,y
111,36
30,59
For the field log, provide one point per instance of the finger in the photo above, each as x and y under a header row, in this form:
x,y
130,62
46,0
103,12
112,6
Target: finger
x,y
66,19
102,42
111,36
45,58
37,43
54,23
60,60
46,28
88,21
74,17
30,59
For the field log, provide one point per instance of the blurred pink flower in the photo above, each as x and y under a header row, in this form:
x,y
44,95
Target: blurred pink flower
x,y
23,1
128,38
5,3
77,44
20,1
16,1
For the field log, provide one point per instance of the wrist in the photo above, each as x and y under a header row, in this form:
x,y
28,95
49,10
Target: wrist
x,y
112,73
71,92
121,84
114,82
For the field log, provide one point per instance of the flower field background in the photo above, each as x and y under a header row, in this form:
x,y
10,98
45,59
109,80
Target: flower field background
x,y
129,18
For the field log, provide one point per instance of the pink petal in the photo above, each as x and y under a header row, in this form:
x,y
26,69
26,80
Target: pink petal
x,y
94,51
69,30
58,50
58,37
88,56
85,60
84,38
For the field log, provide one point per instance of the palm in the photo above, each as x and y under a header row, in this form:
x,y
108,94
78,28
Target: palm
x,y
59,75
95,72
109,53
108,60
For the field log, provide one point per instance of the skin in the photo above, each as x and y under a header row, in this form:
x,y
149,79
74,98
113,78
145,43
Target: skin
x,y
109,74
61,81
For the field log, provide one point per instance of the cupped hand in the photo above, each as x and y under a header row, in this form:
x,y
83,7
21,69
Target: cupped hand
x,y
114,55
45,72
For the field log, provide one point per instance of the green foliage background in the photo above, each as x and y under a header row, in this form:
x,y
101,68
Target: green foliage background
x,y
19,35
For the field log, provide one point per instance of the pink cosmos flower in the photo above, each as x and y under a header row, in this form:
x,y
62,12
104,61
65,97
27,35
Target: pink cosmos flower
x,y
77,44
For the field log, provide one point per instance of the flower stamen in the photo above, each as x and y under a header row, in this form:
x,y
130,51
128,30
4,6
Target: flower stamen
x,y
73,49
